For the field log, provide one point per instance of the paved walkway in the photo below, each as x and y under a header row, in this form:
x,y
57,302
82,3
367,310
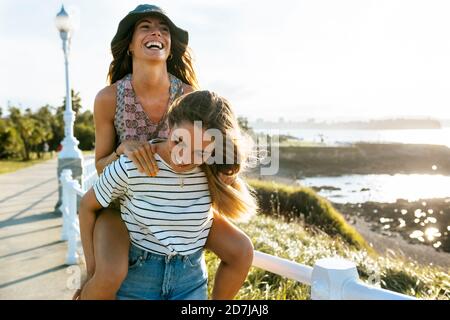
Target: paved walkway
x,y
31,251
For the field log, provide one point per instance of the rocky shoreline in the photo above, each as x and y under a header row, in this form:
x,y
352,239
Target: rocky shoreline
x,y
419,230
419,222
396,240
395,244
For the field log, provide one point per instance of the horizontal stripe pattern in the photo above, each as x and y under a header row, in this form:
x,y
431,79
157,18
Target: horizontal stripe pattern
x,y
166,214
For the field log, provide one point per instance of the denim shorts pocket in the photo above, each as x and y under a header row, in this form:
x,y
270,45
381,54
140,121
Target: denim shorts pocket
x,y
194,260
134,259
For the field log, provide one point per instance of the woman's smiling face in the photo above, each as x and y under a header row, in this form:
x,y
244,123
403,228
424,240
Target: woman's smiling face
x,y
151,39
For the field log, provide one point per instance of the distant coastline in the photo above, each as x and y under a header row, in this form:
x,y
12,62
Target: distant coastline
x,y
385,124
364,158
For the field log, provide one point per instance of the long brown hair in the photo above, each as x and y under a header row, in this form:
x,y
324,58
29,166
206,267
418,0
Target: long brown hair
x,y
235,201
180,64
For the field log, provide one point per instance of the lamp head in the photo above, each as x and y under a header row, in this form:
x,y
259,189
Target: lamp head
x,y
63,22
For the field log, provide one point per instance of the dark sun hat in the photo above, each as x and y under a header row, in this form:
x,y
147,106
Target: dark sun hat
x,y
142,11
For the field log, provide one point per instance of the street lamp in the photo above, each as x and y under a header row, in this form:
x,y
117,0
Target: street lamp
x,y
70,156
70,143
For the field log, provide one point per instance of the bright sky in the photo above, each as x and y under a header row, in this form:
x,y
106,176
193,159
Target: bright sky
x,y
292,59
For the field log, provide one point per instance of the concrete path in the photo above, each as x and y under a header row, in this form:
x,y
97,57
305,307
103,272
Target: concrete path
x,y
31,251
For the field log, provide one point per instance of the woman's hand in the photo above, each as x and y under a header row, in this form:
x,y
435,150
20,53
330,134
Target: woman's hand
x,y
141,153
77,294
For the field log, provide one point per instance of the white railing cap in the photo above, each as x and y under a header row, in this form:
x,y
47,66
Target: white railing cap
x,y
336,263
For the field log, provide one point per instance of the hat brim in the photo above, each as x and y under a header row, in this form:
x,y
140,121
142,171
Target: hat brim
x,y
132,18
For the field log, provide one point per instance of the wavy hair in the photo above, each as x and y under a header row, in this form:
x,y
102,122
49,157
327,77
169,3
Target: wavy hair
x,y
180,65
235,201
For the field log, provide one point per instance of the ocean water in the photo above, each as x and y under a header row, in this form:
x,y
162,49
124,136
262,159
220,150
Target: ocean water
x,y
380,187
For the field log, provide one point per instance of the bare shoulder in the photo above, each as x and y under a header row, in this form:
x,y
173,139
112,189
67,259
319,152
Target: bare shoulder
x,y
187,88
105,101
107,95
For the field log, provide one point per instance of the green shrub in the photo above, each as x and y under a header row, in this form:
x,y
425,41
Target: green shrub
x,y
304,204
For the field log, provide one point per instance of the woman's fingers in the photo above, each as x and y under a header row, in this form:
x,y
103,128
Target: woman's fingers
x,y
141,153
153,150
135,157
150,151
145,158
76,295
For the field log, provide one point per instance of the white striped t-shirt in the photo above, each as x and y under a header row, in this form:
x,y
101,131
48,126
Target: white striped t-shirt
x,y
167,214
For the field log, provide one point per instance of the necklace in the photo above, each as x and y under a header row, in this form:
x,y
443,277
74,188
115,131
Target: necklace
x,y
157,140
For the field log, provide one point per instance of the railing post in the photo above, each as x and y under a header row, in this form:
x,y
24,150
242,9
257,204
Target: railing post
x,y
71,228
74,228
65,178
329,277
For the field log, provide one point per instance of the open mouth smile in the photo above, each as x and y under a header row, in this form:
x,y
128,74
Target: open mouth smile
x,y
154,45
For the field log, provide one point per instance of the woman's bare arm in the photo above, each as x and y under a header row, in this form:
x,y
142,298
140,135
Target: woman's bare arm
x,y
105,133
87,216
140,153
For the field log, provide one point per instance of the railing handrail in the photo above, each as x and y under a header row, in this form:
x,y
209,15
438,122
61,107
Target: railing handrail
x,y
283,267
330,278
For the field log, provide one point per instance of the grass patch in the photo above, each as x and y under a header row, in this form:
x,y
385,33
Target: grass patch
x,y
11,165
88,152
297,242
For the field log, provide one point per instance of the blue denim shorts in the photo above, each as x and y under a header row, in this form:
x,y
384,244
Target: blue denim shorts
x,y
160,277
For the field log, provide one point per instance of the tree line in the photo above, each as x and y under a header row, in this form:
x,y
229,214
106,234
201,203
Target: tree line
x,y
24,132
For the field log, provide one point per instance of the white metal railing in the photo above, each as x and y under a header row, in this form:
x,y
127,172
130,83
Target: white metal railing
x,y
70,190
330,278
89,175
71,229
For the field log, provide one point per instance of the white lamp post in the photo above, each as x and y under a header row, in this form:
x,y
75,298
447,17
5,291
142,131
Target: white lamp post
x,y
70,156
70,143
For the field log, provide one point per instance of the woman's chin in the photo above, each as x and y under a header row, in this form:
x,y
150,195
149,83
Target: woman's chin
x,y
153,57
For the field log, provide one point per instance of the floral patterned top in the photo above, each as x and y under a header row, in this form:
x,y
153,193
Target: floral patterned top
x,y
131,122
